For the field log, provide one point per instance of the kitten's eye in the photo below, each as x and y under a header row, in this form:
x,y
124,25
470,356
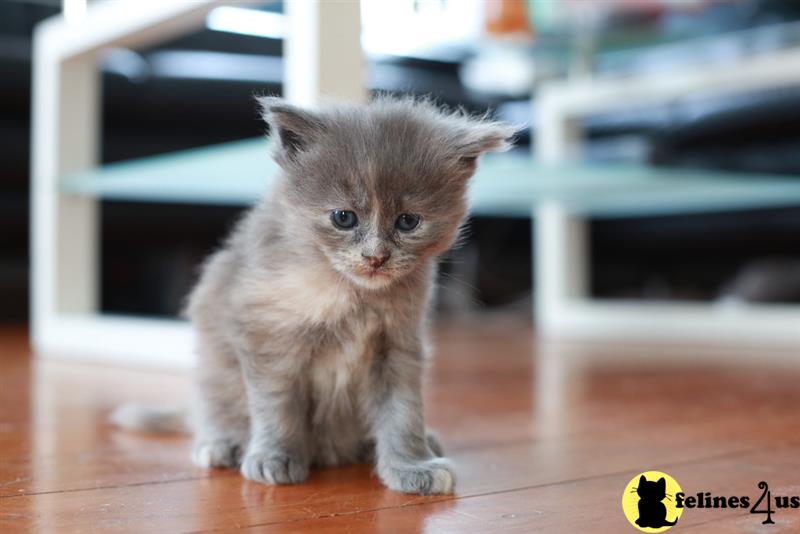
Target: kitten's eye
x,y
407,222
344,219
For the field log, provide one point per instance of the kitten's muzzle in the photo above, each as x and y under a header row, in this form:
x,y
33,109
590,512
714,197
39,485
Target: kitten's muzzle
x,y
376,261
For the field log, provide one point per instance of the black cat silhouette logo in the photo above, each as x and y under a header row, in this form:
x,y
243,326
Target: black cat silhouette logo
x,y
649,501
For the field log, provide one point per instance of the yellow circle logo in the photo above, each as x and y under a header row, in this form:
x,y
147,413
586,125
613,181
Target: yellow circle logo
x,y
649,501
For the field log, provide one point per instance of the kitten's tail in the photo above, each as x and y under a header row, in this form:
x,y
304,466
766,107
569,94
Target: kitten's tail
x,y
152,419
669,523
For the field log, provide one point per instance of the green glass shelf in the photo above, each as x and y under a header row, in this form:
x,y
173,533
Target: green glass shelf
x,y
508,185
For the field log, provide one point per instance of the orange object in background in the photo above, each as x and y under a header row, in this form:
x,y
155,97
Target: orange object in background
x,y
507,18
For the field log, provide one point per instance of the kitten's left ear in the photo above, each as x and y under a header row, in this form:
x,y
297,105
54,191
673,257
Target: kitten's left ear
x,y
662,483
295,128
482,137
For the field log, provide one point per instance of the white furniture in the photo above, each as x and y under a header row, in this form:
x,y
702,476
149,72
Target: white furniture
x,y
562,305
322,56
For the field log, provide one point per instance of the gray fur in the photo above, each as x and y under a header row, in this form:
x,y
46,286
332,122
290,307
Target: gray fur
x,y
304,358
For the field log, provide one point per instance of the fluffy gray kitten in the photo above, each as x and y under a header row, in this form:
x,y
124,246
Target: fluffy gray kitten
x,y
310,319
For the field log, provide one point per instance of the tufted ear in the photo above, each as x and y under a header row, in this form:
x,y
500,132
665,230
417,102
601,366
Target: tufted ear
x,y
481,137
293,128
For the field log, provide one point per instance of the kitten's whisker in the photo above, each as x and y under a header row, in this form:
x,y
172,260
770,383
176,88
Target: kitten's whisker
x,y
459,281
453,290
451,261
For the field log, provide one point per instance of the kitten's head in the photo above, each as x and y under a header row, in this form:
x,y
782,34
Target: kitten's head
x,y
652,490
379,187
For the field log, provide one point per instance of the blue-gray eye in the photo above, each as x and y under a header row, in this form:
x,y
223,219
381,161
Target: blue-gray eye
x,y
407,222
344,219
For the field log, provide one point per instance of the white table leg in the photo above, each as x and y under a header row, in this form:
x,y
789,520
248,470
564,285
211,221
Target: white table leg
x,y
560,260
64,229
560,238
322,52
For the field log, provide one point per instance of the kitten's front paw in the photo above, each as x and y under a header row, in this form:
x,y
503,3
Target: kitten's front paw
x,y
269,467
216,453
427,477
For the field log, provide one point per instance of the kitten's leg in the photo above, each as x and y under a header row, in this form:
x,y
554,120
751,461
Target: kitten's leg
x,y
220,419
405,460
278,452
434,443
366,452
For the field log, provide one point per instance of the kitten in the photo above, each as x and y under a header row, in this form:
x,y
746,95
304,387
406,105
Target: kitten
x,y
310,319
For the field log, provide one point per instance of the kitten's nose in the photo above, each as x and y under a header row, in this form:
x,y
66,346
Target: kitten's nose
x,y
377,260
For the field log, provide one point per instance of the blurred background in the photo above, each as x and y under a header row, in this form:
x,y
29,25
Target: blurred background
x,y
197,90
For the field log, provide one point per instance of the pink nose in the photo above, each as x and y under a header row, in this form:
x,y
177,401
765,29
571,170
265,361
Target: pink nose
x,y
376,261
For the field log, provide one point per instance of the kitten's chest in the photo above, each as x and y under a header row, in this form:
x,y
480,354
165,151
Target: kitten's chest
x,y
311,295
339,370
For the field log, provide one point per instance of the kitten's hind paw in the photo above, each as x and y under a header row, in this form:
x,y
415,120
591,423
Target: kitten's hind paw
x,y
428,477
216,453
274,468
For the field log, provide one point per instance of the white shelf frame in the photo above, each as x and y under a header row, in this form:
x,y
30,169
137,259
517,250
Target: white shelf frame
x,y
322,58
563,306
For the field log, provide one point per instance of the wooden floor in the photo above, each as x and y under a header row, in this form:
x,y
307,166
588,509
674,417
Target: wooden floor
x,y
545,438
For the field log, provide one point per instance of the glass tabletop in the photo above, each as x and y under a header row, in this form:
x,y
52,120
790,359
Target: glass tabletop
x,y
512,184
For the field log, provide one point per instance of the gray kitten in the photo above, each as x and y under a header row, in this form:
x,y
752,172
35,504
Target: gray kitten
x,y
310,319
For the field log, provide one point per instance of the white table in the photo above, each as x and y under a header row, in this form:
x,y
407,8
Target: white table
x,y
323,56
563,307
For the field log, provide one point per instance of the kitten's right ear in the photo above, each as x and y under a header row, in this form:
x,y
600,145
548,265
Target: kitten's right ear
x,y
642,480
295,129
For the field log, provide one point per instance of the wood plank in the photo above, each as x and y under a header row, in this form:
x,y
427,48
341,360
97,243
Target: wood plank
x,y
482,471
522,457
583,505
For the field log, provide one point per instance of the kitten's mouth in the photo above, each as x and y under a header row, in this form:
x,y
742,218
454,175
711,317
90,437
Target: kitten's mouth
x,y
373,277
376,273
